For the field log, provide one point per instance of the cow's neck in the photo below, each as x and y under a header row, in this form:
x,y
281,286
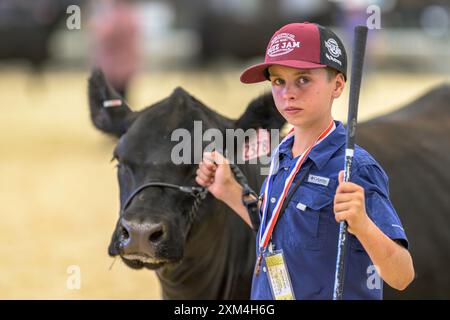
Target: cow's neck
x,y
204,272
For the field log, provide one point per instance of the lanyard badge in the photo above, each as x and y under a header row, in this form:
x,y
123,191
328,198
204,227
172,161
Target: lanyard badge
x,y
278,275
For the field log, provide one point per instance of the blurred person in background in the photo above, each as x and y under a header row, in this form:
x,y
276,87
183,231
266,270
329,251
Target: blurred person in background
x,y
115,33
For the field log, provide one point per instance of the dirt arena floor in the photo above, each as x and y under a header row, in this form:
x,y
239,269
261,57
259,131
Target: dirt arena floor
x,y
58,190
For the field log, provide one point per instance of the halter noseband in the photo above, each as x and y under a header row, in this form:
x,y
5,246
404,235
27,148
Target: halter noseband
x,y
199,193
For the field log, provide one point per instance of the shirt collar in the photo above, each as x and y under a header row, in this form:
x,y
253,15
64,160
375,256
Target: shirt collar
x,y
322,152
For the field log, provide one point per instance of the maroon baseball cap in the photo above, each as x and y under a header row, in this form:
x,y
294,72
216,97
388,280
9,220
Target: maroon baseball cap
x,y
303,46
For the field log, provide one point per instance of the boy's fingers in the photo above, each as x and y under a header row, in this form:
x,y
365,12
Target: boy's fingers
x,y
343,197
347,187
340,207
199,181
341,216
204,175
219,158
202,182
212,159
206,170
208,162
341,176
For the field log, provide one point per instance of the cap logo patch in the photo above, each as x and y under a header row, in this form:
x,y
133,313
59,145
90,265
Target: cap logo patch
x,y
282,44
333,50
333,47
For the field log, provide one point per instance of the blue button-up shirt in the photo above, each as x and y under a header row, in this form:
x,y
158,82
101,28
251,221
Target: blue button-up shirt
x,y
307,231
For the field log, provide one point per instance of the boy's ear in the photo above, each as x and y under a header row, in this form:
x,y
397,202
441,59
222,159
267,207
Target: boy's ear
x,y
339,85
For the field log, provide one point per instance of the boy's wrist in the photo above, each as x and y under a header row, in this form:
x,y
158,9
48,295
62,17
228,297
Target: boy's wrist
x,y
364,229
232,192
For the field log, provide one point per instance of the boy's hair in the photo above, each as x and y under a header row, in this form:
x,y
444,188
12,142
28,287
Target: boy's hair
x,y
331,73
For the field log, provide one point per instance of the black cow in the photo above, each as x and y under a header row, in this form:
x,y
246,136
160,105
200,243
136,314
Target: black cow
x,y
207,253
413,146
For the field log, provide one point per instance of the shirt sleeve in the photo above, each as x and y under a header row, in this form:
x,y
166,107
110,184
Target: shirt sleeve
x,y
378,205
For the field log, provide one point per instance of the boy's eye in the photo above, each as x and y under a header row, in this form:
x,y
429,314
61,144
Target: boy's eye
x,y
303,80
277,81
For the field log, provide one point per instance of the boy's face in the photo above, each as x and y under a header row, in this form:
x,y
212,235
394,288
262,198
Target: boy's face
x,y
304,96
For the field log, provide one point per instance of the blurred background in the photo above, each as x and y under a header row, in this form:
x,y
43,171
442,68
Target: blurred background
x,y
58,190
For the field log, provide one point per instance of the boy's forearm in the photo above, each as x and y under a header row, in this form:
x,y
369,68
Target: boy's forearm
x,y
234,200
394,262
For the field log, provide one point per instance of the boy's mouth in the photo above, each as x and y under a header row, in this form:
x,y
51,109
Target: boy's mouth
x,y
292,110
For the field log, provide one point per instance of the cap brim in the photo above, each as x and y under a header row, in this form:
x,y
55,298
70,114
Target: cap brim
x,y
255,73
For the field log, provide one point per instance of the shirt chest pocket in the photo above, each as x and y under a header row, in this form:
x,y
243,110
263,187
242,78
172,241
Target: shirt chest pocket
x,y
305,218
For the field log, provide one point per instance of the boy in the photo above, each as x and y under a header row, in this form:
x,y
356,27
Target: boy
x,y
306,65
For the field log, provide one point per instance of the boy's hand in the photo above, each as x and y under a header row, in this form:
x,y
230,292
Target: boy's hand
x,y
349,205
214,173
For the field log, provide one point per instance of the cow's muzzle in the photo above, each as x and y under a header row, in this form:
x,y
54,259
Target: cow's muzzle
x,y
141,242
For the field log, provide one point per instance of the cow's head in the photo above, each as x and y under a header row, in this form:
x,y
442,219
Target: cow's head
x,y
151,231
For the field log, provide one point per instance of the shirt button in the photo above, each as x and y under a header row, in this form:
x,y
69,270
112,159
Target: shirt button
x,y
264,269
286,168
273,200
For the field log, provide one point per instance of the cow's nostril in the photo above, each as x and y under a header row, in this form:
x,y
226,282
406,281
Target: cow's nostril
x,y
156,234
124,235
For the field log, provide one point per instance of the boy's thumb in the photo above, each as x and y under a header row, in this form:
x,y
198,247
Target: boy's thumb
x,y
219,158
341,176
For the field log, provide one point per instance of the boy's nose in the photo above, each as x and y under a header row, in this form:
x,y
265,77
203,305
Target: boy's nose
x,y
289,93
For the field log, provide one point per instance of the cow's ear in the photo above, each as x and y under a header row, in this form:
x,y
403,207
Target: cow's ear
x,y
261,112
109,111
